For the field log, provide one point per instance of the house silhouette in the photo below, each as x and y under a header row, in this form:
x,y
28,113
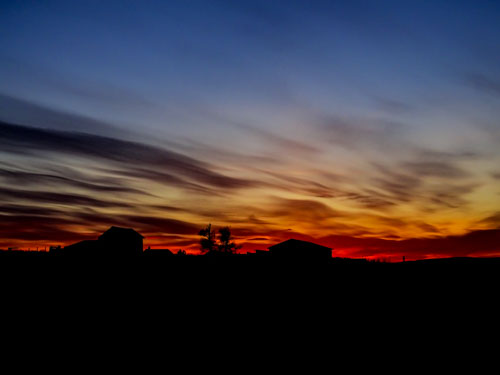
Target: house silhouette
x,y
121,241
85,247
116,241
293,249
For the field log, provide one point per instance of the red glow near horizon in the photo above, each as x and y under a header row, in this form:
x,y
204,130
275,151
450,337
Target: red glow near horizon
x,y
484,243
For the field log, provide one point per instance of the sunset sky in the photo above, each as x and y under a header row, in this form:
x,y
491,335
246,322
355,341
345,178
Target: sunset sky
x,y
372,127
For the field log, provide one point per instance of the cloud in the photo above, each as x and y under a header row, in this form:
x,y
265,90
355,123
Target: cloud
x,y
492,219
310,187
164,178
164,207
279,141
483,82
447,156
28,218
396,185
300,185
225,155
174,242
475,243
19,111
16,209
22,178
27,228
36,196
28,223
392,105
163,225
369,200
98,92
429,177
439,169
113,150
358,132
452,196
302,210
428,228
405,189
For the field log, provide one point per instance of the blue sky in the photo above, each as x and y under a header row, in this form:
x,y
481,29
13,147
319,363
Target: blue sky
x,y
113,59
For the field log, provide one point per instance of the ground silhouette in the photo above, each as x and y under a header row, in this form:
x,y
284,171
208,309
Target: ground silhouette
x,y
124,246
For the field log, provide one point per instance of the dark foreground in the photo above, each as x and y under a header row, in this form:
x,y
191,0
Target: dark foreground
x,y
168,257
248,269
236,292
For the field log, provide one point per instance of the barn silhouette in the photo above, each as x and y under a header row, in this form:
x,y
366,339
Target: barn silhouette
x,y
116,241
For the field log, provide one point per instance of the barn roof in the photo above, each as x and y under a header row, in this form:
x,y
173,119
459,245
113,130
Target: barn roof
x,y
293,243
119,231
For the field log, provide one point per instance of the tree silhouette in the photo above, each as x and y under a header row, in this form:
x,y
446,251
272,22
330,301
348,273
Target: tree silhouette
x,y
225,243
207,241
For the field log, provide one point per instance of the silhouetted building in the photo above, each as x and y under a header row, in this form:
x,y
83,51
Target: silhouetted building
x,y
158,252
122,241
293,249
115,241
259,253
86,247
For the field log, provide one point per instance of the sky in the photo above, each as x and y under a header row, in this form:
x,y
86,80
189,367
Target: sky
x,y
371,127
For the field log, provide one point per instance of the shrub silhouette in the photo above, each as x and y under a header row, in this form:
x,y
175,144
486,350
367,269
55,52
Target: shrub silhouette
x,y
207,241
224,244
226,241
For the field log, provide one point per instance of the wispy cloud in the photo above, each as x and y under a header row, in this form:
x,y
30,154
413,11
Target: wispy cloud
x,y
486,83
440,169
359,133
163,225
23,112
36,196
476,243
113,150
22,178
393,106
493,219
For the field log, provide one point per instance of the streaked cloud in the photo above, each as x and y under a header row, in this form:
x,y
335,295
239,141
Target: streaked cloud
x,y
486,83
29,139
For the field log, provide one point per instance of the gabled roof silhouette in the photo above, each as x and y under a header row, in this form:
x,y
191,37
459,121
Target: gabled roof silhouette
x,y
163,252
119,231
85,244
293,243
